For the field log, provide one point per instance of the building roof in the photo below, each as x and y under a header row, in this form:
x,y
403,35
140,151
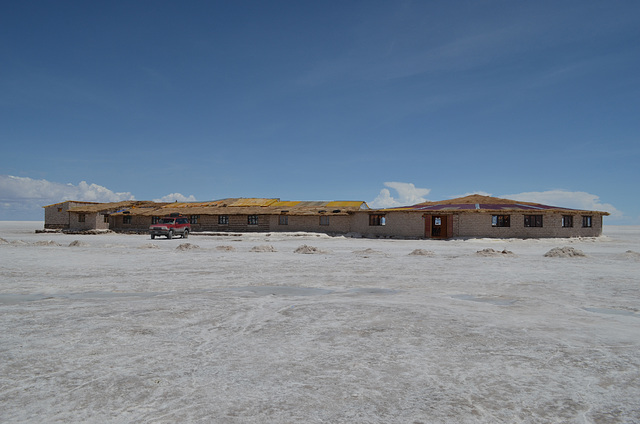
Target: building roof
x,y
479,203
71,201
114,207
247,206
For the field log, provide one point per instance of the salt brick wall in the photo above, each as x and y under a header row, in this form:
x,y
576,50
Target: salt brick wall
x,y
240,223
55,219
139,224
210,223
237,223
92,221
338,224
479,225
397,224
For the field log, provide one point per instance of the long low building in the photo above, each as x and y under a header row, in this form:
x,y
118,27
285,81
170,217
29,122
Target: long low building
x,y
465,217
478,216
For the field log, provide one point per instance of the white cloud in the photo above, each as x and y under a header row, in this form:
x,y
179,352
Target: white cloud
x,y
408,194
23,198
568,199
176,197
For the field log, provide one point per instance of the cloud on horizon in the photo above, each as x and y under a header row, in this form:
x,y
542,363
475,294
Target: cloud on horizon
x,y
176,197
408,194
22,198
27,190
568,199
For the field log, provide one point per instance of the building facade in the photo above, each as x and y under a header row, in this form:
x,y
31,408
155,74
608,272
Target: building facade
x,y
467,217
57,216
483,216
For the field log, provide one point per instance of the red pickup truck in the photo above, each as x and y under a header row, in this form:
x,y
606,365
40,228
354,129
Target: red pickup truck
x,y
170,226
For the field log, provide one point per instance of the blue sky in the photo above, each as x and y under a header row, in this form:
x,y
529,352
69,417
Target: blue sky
x,y
389,102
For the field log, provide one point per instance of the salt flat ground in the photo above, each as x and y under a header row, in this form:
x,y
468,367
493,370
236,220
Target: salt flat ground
x,y
122,328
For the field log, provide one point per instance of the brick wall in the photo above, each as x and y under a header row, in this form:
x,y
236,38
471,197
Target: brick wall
x,y
56,216
138,224
338,224
397,224
479,225
92,221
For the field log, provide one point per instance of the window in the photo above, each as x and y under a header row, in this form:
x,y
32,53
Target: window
x,y
324,220
586,221
193,219
501,221
283,220
533,220
105,219
567,221
82,217
252,220
59,209
376,220
155,219
223,219
126,219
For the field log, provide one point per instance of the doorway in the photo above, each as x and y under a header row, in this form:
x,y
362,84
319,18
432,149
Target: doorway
x,y
439,226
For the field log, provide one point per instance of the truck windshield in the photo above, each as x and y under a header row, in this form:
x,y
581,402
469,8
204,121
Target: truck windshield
x,y
167,220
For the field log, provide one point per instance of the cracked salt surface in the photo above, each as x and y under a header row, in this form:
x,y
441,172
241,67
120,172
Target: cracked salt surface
x,y
493,301
281,291
112,332
609,311
12,298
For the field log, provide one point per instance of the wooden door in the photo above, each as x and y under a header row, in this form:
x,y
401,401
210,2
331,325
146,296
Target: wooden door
x,y
439,226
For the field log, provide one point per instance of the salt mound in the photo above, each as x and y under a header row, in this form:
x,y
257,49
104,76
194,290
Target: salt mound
x,y
149,246
367,251
19,242
421,252
304,249
263,248
226,248
3,241
47,243
630,254
187,246
78,243
491,252
564,252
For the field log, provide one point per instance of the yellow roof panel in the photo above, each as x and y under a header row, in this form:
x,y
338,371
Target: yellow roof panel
x,y
344,204
285,204
254,202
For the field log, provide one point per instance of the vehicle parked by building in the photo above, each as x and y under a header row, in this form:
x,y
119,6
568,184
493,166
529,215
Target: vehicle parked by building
x,y
170,226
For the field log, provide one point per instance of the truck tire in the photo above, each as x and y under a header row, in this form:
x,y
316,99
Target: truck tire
x,y
185,234
153,236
